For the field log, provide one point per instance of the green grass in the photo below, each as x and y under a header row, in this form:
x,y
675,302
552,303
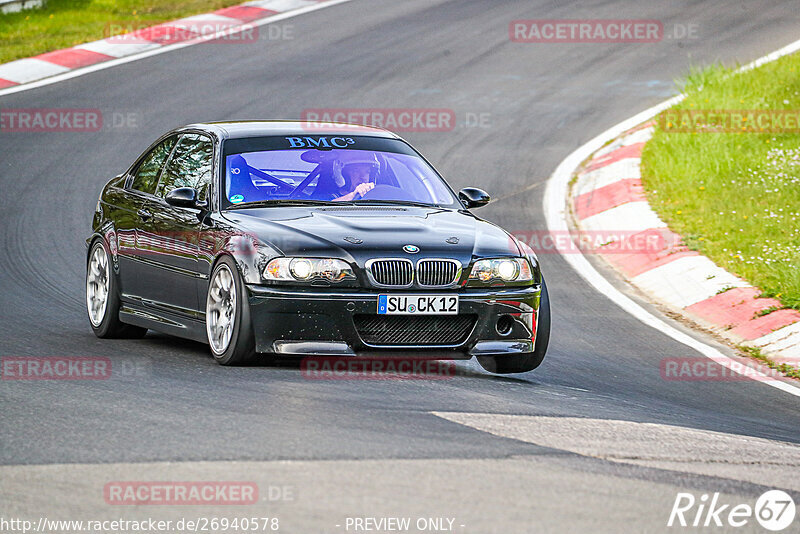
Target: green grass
x,y
735,197
66,23
786,369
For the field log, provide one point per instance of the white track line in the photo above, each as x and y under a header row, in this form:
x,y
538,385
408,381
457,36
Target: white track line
x,y
128,59
555,203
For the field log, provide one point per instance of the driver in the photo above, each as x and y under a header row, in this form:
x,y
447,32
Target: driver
x,y
357,170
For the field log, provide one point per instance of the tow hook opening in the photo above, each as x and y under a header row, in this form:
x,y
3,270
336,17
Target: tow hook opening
x,y
505,323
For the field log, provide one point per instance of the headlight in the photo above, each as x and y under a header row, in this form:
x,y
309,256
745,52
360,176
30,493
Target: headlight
x,y
301,268
308,269
501,270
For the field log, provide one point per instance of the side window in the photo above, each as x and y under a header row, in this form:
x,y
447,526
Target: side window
x,y
203,184
146,176
189,166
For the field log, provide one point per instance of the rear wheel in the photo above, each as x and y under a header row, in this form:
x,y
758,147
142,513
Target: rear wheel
x,y
102,296
228,326
522,363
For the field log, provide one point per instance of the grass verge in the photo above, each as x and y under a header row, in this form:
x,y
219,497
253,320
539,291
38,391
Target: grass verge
x,y
65,23
734,196
786,369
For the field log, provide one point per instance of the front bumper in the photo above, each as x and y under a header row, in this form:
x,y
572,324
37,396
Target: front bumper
x,y
322,321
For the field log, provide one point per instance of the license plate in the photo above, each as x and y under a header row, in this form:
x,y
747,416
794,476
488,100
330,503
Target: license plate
x,y
417,304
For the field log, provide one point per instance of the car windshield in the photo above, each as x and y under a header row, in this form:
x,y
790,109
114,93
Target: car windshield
x,y
380,171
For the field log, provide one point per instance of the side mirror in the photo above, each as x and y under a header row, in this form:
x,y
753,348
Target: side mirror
x,y
472,197
184,197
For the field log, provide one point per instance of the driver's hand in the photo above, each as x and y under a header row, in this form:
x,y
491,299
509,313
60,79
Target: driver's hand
x,y
363,189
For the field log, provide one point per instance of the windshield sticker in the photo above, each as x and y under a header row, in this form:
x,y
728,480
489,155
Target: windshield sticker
x,y
320,142
236,199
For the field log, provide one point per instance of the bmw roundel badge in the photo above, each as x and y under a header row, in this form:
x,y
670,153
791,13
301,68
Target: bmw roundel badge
x,y
411,249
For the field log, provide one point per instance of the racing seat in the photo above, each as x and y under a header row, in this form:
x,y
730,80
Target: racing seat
x,y
240,182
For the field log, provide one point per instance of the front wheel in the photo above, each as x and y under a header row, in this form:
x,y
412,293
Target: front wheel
x,y
228,326
523,363
102,297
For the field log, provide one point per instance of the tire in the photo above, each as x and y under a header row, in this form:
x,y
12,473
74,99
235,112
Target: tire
x,y
102,296
229,330
522,363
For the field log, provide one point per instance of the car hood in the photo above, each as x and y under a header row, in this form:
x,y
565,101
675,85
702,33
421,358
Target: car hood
x,y
359,233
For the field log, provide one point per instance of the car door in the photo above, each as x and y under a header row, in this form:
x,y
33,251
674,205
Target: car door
x,y
130,215
169,238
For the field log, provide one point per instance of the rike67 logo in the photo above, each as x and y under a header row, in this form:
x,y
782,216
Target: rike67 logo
x,y
774,510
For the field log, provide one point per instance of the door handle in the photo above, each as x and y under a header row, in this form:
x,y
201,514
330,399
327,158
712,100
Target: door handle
x,y
144,214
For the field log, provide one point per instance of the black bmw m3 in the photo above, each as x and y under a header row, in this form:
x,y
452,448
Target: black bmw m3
x,y
295,239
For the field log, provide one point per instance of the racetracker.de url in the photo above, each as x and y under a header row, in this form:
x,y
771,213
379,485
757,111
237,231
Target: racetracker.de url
x,y
184,524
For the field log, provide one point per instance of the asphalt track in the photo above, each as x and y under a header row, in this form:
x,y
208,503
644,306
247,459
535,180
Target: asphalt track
x,y
361,447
